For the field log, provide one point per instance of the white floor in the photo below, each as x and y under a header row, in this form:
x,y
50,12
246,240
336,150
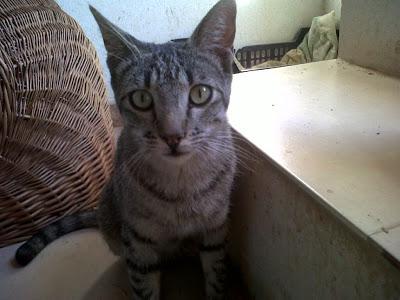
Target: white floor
x,y
79,266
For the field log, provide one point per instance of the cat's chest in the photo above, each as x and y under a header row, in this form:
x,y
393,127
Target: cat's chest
x,y
181,208
180,220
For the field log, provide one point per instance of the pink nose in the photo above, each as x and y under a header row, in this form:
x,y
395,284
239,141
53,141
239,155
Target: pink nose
x,y
172,141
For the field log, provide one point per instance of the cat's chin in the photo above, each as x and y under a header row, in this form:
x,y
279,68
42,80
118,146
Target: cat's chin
x,y
177,157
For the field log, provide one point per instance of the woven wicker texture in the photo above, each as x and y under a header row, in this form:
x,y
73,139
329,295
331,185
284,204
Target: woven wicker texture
x,y
56,135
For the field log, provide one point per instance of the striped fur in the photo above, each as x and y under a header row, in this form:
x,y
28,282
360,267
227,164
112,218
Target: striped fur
x,y
153,203
156,201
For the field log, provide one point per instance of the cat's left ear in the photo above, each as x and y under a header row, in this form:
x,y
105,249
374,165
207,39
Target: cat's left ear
x,y
118,43
216,32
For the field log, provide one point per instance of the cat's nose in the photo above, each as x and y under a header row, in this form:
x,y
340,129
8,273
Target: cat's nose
x,y
172,141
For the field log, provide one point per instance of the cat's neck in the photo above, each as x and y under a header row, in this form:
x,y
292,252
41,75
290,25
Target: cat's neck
x,y
185,178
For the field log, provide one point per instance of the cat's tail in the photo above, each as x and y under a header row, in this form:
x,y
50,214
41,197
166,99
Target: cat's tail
x,y
28,250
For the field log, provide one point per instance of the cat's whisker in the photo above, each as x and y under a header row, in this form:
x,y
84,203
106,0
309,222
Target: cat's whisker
x,y
227,148
239,150
132,163
236,145
229,154
238,138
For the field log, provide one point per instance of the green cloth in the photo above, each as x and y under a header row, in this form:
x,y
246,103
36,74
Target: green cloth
x,y
320,43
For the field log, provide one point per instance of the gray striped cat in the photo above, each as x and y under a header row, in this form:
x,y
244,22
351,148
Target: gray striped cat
x,y
175,159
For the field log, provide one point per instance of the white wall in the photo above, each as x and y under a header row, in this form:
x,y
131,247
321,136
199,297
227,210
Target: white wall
x,y
258,21
269,21
370,34
335,5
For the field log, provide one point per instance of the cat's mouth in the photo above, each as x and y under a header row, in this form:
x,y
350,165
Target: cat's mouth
x,y
176,153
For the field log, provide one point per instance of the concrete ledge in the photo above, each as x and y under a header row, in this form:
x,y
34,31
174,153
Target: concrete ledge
x,y
334,128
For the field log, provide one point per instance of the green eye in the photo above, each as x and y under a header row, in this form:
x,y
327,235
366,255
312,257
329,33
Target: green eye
x,y
141,100
200,94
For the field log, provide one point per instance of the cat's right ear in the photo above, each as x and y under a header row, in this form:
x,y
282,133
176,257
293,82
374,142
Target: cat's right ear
x,y
216,32
118,43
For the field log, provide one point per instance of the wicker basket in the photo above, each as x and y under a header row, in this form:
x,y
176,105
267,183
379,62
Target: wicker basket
x,y
56,135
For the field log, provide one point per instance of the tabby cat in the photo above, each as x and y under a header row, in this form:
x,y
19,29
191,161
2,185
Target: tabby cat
x,y
175,159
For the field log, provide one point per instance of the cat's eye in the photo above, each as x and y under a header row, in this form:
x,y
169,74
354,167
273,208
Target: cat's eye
x,y
200,94
141,100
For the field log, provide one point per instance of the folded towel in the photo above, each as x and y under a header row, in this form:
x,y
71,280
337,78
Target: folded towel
x,y
321,42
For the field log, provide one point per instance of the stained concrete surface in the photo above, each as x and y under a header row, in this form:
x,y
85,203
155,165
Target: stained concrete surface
x,y
80,266
335,128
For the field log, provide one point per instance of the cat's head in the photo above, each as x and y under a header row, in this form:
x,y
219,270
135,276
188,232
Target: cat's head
x,y
173,97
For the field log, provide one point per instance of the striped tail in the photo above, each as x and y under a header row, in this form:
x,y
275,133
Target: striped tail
x,y
28,250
